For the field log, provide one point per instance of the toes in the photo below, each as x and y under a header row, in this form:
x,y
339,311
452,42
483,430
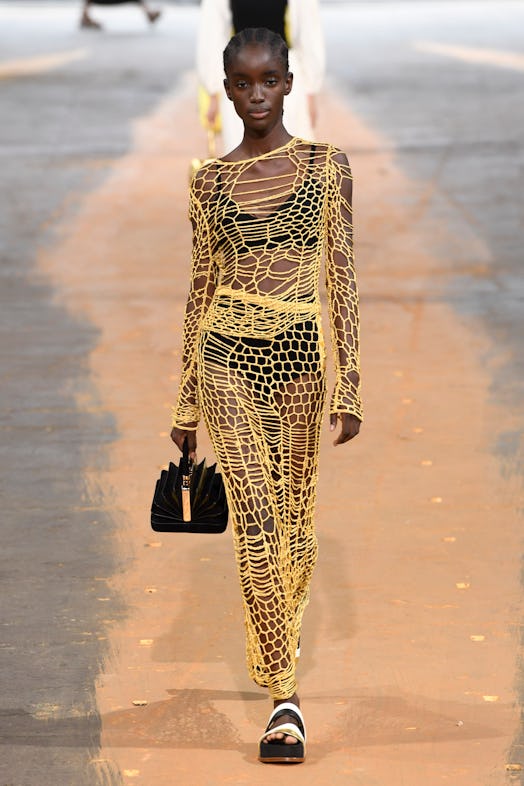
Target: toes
x,y
277,736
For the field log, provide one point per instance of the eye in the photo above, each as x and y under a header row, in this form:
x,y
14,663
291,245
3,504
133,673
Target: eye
x,y
272,81
241,84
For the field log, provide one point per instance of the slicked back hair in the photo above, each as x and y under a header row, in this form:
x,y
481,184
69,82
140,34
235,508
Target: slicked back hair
x,y
257,35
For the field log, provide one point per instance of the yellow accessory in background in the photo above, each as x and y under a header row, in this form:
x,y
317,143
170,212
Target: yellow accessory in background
x,y
196,163
203,107
212,130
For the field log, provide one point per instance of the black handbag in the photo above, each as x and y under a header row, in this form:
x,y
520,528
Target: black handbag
x,y
189,498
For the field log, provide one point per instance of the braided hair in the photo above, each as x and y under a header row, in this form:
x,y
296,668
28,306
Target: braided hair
x,y
256,35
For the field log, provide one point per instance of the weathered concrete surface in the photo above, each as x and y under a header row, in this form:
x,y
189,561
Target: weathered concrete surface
x,y
66,100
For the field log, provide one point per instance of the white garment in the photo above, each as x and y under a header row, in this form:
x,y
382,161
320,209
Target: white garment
x,y
306,62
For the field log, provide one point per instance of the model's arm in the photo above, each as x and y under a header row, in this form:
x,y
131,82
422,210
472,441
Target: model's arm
x,y
204,277
343,297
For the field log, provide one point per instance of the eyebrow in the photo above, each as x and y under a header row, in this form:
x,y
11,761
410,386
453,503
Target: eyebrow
x,y
269,72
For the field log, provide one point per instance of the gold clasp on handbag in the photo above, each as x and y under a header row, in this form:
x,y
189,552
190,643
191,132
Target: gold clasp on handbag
x,y
186,497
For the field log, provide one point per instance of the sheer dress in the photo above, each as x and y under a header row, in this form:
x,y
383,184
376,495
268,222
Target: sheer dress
x,y
254,366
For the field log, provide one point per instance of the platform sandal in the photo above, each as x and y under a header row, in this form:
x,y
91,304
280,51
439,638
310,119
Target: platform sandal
x,y
278,751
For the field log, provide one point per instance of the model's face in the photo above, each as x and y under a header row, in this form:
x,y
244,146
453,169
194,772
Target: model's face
x,y
257,82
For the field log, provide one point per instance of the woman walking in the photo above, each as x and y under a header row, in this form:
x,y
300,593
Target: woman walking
x,y
254,359
87,21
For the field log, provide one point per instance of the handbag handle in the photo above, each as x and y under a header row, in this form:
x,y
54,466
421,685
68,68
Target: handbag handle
x,y
185,471
185,465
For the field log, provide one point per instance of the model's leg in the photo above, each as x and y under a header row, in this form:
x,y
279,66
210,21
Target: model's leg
x,y
245,428
300,405
151,15
86,20
239,434
266,439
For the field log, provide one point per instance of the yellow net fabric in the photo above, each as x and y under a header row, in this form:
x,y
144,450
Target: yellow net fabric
x,y
254,363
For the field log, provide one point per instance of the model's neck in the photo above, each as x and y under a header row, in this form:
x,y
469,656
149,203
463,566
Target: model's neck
x,y
253,146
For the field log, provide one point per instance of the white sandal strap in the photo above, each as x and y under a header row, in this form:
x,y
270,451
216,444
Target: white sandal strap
x,y
289,729
287,705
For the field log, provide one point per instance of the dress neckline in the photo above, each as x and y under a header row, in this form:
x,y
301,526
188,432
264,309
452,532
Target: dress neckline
x,y
306,184
262,155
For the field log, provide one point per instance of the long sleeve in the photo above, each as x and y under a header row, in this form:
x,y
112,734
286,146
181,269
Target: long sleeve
x,y
342,288
204,277
307,39
214,31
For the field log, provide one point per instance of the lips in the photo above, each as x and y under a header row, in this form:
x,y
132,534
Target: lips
x,y
259,113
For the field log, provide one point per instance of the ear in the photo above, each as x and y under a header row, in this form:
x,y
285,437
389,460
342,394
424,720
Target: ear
x,y
288,83
227,89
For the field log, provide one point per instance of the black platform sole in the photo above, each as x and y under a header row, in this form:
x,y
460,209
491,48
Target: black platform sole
x,y
280,753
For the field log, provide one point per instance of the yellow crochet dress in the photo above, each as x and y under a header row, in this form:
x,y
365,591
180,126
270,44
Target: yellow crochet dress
x,y
254,365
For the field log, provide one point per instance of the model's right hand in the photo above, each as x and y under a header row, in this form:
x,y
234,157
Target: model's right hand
x,y
178,436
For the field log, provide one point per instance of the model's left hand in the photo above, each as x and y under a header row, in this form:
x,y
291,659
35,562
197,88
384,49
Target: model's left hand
x,y
350,426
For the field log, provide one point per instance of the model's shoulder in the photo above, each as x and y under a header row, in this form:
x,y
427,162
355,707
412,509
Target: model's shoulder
x,y
328,153
338,163
337,156
203,181
207,170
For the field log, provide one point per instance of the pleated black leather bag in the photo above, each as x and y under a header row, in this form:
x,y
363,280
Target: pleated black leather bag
x,y
189,498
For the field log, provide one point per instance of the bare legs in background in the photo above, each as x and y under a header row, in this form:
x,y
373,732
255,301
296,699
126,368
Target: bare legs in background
x,y
87,21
